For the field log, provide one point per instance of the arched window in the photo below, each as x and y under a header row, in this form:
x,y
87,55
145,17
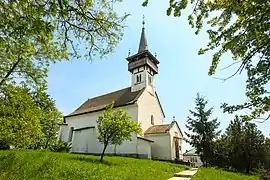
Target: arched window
x,y
152,120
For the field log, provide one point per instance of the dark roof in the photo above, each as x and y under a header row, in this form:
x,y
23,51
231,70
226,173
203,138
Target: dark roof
x,y
121,98
145,139
143,42
157,129
191,152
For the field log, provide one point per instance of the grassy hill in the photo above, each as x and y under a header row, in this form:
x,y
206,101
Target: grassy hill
x,y
217,174
35,165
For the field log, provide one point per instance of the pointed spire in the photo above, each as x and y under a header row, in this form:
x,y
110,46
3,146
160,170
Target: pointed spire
x,y
143,41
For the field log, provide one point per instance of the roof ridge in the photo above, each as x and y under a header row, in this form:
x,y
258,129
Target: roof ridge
x,y
108,93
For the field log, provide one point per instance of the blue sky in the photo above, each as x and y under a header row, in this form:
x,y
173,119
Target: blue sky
x,y
182,72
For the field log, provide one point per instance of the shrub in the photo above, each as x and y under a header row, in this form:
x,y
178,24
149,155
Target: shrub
x,y
4,145
265,174
60,147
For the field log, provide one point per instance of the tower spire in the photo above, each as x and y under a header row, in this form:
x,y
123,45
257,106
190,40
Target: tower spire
x,y
143,41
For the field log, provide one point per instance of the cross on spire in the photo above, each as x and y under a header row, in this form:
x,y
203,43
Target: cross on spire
x,y
143,22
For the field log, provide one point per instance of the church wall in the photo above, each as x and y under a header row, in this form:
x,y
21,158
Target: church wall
x,y
63,133
85,141
173,132
161,148
148,105
144,148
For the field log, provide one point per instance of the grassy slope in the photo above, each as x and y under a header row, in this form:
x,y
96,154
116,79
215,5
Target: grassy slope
x,y
47,165
217,174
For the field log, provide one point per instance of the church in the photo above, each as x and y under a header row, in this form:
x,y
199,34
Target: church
x,y
140,100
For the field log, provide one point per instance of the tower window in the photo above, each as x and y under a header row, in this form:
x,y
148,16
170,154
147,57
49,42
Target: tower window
x,y
139,78
152,120
149,79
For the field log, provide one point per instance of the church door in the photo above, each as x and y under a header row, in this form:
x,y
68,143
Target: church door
x,y
176,147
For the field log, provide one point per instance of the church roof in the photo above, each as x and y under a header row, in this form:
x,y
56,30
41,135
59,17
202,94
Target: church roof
x,y
121,98
156,129
164,128
191,152
143,42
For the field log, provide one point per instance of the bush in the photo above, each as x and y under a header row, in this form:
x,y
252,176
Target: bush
x,y
265,174
60,147
4,145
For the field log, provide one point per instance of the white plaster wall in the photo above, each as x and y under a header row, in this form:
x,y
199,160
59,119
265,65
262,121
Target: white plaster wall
x,y
135,86
187,158
161,148
148,105
144,148
174,129
86,140
63,133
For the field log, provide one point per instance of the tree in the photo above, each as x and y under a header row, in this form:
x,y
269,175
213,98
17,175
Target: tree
x,y
19,118
27,119
35,34
50,120
242,28
253,146
203,130
115,127
242,146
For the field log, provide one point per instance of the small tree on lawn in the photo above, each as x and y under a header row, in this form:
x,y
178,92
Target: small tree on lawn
x,y
115,127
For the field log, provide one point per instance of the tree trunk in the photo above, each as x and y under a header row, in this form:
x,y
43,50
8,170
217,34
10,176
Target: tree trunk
x,y
46,144
247,168
104,148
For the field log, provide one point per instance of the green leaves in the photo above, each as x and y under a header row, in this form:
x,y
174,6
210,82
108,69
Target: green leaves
x,y
37,33
27,119
115,127
203,131
241,28
241,147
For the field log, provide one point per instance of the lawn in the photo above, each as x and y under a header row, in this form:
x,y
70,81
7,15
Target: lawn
x,y
35,165
218,174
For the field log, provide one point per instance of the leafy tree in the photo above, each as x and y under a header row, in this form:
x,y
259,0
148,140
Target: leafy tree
x,y
115,127
241,146
37,33
242,28
253,146
203,130
50,120
28,120
19,118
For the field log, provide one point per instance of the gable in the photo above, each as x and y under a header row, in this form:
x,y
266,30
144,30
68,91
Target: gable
x,y
121,97
149,110
174,126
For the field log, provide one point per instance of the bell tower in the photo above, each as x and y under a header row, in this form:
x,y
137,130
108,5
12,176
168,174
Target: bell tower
x,y
143,66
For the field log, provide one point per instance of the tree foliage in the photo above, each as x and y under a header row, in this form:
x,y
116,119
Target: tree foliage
x,y
34,34
241,147
27,120
203,130
115,127
241,27
19,118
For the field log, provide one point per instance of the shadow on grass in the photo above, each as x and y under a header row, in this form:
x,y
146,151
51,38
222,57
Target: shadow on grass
x,y
92,160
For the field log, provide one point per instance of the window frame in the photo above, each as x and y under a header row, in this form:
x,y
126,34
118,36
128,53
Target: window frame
x,y
152,119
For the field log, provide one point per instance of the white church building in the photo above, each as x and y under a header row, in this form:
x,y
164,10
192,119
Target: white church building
x,y
141,102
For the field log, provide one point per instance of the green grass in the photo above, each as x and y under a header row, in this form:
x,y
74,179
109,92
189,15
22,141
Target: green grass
x,y
35,165
218,174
